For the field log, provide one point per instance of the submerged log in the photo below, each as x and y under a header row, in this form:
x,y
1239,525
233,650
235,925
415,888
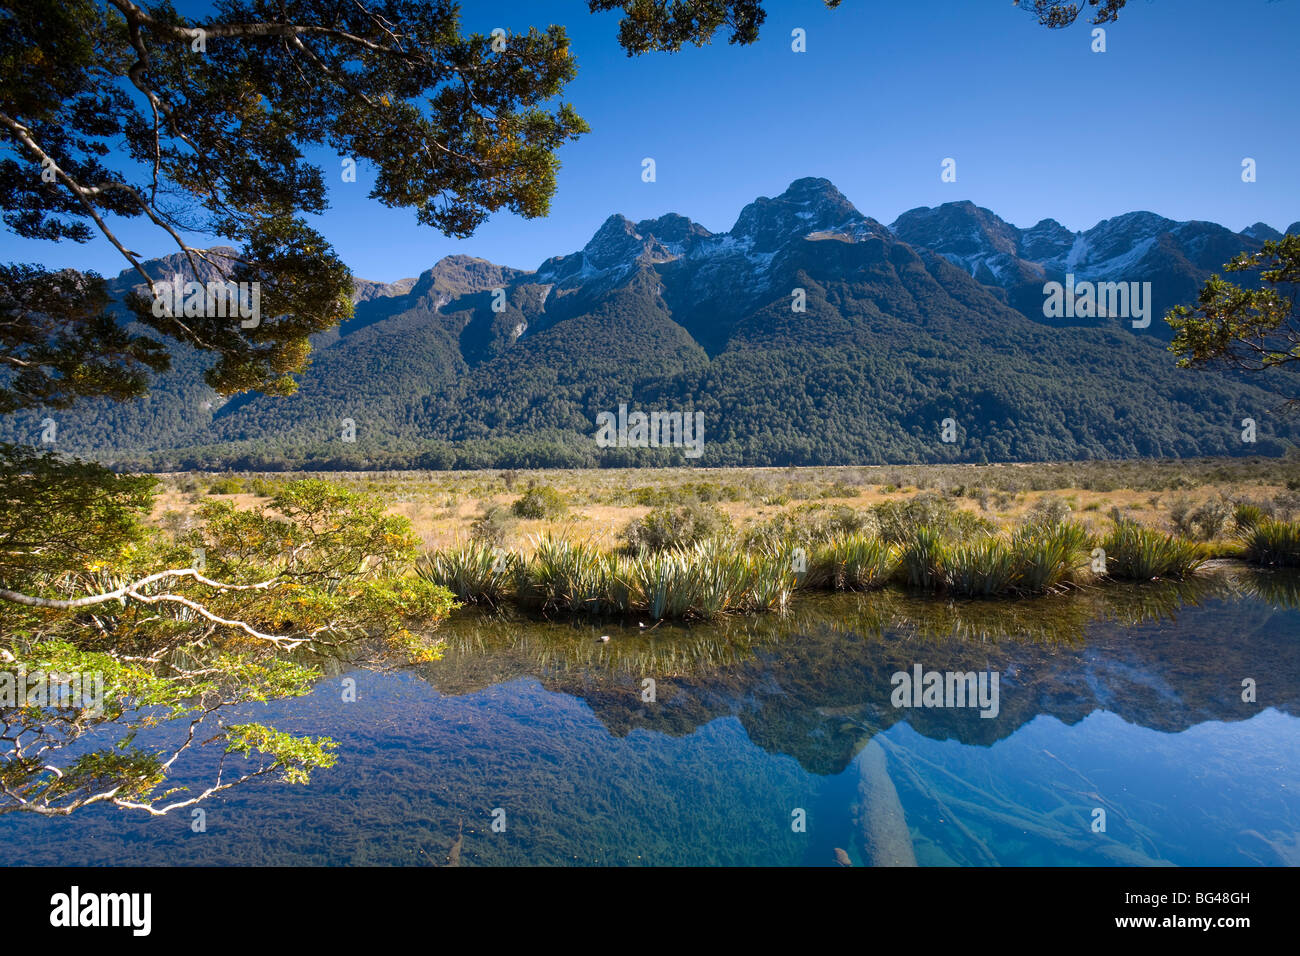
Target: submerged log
x,y
882,833
453,858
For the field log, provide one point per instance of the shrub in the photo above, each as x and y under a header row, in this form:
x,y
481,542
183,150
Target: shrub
x,y
1203,523
1286,505
540,501
668,527
809,525
262,487
227,485
899,520
491,525
1047,511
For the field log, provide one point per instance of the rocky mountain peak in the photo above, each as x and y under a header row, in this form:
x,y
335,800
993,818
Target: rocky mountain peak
x,y
1261,231
673,231
808,205
957,228
615,242
1045,240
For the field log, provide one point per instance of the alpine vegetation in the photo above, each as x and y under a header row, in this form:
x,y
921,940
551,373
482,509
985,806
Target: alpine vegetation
x,y
1272,543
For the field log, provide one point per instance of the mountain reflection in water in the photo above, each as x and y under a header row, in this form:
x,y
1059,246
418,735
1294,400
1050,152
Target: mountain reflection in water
x,y
1123,703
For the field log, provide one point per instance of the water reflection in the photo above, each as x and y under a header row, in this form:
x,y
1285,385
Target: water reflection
x,y
1165,655
1127,700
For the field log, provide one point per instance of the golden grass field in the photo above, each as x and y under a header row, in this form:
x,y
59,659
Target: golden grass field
x,y
598,504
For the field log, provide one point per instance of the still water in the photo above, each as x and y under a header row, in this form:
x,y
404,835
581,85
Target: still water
x,y
1125,734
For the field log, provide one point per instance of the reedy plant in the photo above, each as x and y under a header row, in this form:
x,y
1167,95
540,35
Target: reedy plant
x,y
476,572
1273,543
1141,553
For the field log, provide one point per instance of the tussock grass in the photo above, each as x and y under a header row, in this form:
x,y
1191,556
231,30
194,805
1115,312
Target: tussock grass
x,y
476,573
981,568
1142,554
923,559
851,563
718,576
1048,557
1273,543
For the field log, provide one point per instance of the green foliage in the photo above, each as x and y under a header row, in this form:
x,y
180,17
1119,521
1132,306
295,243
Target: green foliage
x,y
1047,556
57,333
65,516
476,572
981,568
923,559
900,521
540,501
1247,515
454,129
665,528
706,491
227,485
1142,554
851,562
296,756
1056,14
133,696
1244,328
317,566
563,575
702,581
809,525
1272,543
649,26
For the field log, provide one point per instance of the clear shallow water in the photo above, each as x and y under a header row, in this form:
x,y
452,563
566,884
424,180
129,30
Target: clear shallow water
x,y
1127,700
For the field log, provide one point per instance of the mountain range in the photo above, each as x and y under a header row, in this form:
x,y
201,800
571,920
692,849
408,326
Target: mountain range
x,y
807,334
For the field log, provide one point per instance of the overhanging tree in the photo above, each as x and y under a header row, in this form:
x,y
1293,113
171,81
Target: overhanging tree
x,y
1242,328
668,25
198,125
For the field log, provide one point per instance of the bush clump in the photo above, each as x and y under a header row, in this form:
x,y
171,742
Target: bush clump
x,y
900,521
540,501
668,527
227,485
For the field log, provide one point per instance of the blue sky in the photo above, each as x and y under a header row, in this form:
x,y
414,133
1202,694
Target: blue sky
x,y
1040,126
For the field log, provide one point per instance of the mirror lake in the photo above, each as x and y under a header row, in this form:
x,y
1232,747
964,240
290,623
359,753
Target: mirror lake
x,y
1135,725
